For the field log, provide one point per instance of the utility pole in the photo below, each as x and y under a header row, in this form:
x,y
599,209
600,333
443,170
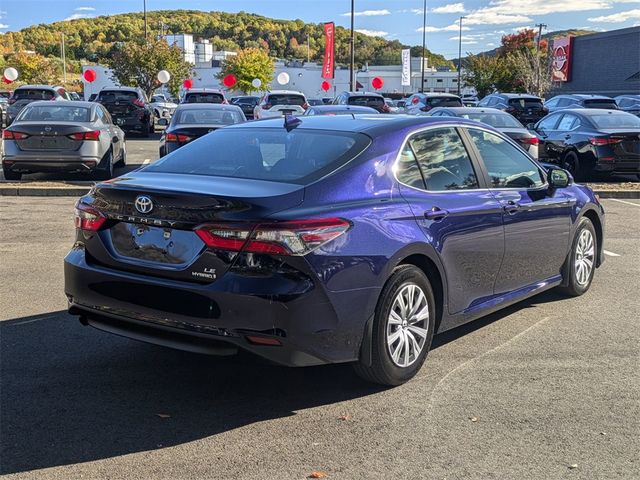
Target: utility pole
x,y
352,84
460,55
424,42
144,6
64,59
540,27
308,48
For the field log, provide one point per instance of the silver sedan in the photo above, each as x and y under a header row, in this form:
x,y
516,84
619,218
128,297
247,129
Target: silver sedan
x,y
63,137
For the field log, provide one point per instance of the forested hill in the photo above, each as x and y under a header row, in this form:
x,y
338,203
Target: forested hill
x,y
94,38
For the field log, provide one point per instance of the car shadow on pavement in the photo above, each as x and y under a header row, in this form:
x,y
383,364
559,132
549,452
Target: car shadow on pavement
x,y
70,394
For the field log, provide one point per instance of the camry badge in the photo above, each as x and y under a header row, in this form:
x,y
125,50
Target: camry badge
x,y
143,204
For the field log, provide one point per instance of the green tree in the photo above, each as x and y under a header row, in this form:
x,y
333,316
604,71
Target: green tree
x,y
485,73
35,68
138,65
249,64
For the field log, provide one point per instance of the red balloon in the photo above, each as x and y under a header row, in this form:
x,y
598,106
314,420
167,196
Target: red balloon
x,y
90,75
188,83
325,86
377,83
229,80
6,80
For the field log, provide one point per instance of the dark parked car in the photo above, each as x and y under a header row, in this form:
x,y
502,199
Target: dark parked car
x,y
560,102
314,102
526,108
419,103
192,121
629,104
129,109
340,110
591,141
501,121
328,240
24,95
247,104
204,95
62,137
362,99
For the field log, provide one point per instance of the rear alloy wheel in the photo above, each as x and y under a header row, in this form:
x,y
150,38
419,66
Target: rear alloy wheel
x,y
9,175
402,330
581,263
571,163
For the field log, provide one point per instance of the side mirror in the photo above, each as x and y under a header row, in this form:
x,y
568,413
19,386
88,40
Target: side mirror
x,y
558,178
163,122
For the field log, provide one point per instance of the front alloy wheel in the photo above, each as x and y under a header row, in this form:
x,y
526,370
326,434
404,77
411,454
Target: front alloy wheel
x,y
585,257
580,265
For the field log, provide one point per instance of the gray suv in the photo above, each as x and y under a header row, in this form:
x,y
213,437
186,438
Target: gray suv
x,y
24,95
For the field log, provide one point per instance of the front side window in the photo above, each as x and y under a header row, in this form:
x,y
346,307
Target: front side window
x,y
507,165
443,160
548,123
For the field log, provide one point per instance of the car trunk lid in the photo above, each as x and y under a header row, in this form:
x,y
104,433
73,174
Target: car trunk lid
x,y
48,136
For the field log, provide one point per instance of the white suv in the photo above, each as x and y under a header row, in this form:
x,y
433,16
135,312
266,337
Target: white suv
x,y
280,102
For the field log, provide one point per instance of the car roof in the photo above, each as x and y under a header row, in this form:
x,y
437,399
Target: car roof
x,y
463,110
353,108
518,95
584,96
49,87
203,90
70,103
127,89
372,124
591,111
437,94
363,94
285,92
207,106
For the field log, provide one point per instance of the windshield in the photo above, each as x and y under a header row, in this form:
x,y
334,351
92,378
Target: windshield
x,y
110,96
33,94
286,99
619,120
366,101
198,116
204,98
601,103
269,154
54,113
494,119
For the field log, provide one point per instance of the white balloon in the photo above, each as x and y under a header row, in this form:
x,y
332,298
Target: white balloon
x,y
283,78
164,76
256,82
11,73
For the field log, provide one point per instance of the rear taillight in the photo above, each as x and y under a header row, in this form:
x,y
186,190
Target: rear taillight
x,y
9,135
172,137
599,141
297,237
93,135
88,218
266,106
530,140
138,103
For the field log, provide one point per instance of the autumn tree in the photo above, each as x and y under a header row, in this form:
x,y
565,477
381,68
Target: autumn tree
x,y
138,65
485,73
34,68
246,65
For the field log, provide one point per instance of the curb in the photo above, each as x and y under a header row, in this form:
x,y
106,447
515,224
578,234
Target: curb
x,y
633,194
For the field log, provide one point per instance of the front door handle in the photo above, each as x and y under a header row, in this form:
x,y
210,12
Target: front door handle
x,y
511,206
436,213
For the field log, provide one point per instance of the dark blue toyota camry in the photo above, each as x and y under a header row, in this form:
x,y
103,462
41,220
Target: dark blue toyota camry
x,y
329,239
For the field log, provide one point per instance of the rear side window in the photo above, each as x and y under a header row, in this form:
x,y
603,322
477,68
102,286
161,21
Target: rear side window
x,y
366,101
443,159
507,165
299,156
110,96
525,103
204,98
444,102
33,94
407,169
601,103
286,99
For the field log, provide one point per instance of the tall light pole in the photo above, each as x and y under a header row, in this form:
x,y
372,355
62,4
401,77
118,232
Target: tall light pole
x,y
64,58
424,42
540,27
144,6
459,55
352,84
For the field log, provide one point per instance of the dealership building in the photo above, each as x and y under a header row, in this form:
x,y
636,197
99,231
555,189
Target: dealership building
x,y
606,63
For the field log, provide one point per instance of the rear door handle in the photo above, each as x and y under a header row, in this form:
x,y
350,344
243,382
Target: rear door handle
x,y
436,213
511,206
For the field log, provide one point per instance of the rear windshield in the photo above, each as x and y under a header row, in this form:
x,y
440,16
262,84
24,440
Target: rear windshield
x,y
444,102
601,103
494,119
33,94
524,103
110,96
286,99
367,101
299,156
204,98
621,120
54,113
198,116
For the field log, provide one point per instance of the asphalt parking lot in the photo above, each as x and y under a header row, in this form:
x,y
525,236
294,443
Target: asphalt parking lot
x,y
548,389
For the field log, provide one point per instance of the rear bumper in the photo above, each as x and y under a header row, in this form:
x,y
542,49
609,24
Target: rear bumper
x,y
619,165
312,327
49,162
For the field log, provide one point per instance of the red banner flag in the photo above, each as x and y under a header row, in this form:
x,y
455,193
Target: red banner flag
x,y
328,65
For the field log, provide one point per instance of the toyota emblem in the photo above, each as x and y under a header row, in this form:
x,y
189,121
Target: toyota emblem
x,y
143,204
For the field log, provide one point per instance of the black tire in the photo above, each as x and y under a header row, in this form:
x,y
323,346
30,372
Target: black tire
x,y
122,162
574,287
383,369
104,170
571,163
9,175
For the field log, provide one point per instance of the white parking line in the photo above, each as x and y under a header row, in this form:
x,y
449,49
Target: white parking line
x,y
610,254
625,202
146,161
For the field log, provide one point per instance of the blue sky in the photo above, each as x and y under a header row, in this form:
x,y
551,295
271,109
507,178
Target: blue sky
x,y
486,20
